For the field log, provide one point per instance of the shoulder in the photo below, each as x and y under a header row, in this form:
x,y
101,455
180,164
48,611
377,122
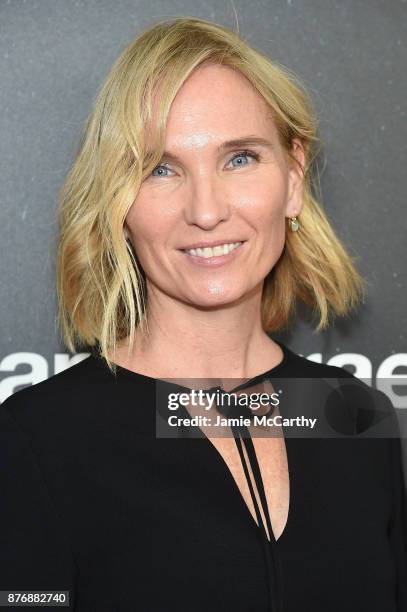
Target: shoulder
x,y
355,411
61,402
304,367
61,419
78,404
55,387
367,408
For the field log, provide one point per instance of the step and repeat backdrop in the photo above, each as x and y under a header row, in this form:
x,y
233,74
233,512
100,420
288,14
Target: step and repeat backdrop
x,y
351,55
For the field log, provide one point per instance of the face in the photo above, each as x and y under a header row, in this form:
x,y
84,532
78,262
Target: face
x,y
208,189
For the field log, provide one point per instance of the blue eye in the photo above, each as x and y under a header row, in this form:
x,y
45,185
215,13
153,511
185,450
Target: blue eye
x,y
246,154
160,167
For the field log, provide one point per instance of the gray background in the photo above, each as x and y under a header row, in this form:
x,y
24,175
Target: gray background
x,y
351,54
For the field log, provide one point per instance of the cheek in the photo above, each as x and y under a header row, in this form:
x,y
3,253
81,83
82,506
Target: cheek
x,y
268,215
144,226
267,202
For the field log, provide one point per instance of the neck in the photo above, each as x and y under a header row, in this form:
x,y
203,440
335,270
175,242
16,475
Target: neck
x,y
188,341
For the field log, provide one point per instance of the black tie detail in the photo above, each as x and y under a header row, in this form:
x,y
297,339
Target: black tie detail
x,y
232,409
269,546
242,433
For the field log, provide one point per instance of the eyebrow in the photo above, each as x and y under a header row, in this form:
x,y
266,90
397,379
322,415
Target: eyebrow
x,y
244,141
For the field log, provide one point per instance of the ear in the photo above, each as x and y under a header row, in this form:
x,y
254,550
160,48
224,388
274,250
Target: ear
x,y
295,179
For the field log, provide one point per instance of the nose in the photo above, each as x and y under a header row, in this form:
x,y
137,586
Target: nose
x,y
208,203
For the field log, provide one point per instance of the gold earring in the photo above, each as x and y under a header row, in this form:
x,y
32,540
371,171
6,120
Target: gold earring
x,y
294,224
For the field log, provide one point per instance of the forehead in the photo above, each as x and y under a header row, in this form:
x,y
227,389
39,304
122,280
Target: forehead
x,y
216,103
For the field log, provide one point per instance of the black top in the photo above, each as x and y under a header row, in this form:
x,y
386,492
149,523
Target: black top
x,y
94,503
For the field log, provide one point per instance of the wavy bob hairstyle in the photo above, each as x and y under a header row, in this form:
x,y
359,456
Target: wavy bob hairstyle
x,y
101,286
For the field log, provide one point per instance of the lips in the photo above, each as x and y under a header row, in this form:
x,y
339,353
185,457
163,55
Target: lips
x,y
215,257
213,243
216,251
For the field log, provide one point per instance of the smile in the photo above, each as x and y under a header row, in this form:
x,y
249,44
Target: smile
x,y
220,249
214,256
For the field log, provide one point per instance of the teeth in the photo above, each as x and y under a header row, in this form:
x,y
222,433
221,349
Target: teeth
x,y
221,249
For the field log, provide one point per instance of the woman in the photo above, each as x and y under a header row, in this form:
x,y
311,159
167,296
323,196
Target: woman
x,y
196,141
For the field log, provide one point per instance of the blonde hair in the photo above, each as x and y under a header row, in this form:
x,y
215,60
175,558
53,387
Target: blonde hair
x,y
100,283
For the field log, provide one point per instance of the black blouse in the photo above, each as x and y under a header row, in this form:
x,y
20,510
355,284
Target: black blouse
x,y
94,503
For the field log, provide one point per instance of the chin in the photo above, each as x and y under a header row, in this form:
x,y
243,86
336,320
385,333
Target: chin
x,y
214,298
